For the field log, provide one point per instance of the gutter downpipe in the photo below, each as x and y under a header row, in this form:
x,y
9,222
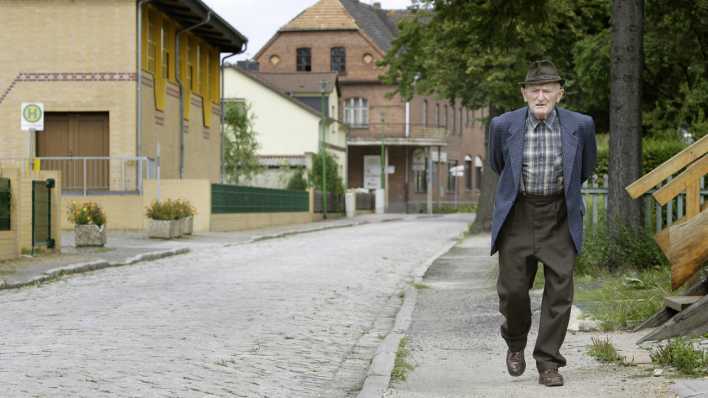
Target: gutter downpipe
x,y
221,111
181,90
139,96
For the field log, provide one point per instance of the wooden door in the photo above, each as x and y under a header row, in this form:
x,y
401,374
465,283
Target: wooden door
x,y
76,135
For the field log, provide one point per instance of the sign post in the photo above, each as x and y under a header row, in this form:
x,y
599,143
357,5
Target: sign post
x,y
32,120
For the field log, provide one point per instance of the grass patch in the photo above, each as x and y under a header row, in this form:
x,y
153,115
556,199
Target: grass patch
x,y
623,300
603,350
401,366
420,286
683,356
448,209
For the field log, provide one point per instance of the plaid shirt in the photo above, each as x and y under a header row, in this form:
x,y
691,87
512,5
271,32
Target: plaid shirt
x,y
542,166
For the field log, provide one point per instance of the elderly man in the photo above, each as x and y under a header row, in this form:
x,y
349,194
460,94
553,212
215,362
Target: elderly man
x,y
543,154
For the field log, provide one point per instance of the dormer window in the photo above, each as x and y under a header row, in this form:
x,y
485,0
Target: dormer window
x,y
304,60
338,59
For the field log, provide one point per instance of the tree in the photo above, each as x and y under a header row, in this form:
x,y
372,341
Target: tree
x,y
333,179
625,116
297,181
240,145
478,51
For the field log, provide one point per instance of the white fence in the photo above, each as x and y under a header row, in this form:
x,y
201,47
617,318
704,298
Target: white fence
x,y
594,193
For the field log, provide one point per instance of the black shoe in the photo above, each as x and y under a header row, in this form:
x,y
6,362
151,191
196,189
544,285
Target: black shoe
x,y
550,377
515,363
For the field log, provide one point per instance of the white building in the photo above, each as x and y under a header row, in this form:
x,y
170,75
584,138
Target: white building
x,y
286,123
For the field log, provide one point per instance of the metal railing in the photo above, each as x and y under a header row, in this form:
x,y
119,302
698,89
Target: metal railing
x,y
656,217
398,130
87,175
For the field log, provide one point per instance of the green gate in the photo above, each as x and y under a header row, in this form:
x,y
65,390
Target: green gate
x,y
42,213
5,206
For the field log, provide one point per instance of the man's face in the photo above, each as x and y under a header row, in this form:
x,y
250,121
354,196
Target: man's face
x,y
542,98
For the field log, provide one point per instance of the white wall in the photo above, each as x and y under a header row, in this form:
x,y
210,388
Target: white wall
x,y
282,127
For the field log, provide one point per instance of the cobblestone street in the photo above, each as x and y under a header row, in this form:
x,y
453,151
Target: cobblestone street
x,y
294,317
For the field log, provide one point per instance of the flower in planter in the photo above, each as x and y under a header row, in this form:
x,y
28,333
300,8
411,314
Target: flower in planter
x,y
164,211
88,213
89,223
184,209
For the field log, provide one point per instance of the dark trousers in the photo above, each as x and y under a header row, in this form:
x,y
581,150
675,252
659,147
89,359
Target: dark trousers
x,y
536,230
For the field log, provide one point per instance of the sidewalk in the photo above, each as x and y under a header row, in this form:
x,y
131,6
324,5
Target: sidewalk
x,y
451,326
125,248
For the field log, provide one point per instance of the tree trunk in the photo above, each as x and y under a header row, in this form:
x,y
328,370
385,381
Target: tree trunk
x,y
483,219
625,117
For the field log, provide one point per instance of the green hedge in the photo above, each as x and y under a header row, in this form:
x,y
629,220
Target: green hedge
x,y
655,151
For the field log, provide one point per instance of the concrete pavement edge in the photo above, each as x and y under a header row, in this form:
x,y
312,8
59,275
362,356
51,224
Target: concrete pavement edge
x,y
379,374
79,268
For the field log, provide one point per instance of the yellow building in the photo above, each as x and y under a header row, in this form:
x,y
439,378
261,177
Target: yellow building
x,y
111,96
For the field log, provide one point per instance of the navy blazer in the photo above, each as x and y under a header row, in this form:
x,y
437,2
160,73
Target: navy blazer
x,y
506,148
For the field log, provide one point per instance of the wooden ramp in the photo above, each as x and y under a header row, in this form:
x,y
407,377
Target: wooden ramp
x,y
685,243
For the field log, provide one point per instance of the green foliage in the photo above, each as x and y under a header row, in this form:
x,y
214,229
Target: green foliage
x,y
85,213
297,181
655,151
183,208
333,179
603,350
461,208
401,366
240,145
162,210
683,356
478,50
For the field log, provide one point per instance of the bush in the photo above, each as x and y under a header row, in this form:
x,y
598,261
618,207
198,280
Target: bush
x,y
297,182
682,355
164,211
333,180
655,151
86,213
183,208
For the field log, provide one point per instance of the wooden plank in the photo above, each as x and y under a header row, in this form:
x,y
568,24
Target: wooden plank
x,y
679,303
693,199
668,168
684,246
679,184
693,321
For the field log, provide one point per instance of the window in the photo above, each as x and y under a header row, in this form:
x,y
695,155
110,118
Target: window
x,y
190,66
421,179
454,120
460,113
446,125
437,115
304,60
338,59
425,113
467,115
478,177
468,175
205,83
356,112
151,45
197,69
451,179
165,52
5,205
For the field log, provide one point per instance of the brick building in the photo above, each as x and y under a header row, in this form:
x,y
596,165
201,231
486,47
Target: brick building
x,y
418,136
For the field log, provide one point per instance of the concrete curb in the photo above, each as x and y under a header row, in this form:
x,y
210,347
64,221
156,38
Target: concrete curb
x,y
79,268
278,235
379,374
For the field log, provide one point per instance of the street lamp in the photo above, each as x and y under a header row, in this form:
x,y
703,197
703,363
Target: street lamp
x,y
323,109
383,160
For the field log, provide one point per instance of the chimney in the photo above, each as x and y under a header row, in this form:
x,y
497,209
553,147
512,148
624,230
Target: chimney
x,y
377,5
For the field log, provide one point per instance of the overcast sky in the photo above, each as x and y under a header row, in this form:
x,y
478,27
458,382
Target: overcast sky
x,y
258,20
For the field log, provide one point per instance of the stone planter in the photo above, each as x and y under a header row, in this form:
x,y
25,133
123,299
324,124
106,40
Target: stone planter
x,y
89,235
163,229
187,225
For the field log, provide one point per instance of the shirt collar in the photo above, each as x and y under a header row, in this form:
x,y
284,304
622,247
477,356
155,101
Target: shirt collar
x,y
533,122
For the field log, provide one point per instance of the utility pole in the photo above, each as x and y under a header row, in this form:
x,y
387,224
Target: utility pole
x,y
323,109
383,153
